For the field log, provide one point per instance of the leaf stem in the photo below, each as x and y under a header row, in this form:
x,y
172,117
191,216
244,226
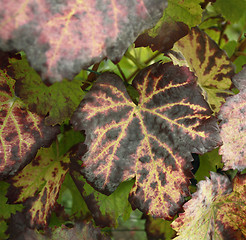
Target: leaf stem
x,y
240,49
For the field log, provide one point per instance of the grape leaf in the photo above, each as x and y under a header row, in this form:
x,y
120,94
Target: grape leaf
x,y
151,141
58,100
157,228
216,210
70,35
188,11
38,184
167,35
233,127
22,132
231,10
104,209
210,64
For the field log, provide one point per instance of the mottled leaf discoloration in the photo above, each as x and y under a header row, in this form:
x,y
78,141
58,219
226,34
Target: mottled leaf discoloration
x,y
216,211
22,132
210,64
233,127
70,35
38,185
152,141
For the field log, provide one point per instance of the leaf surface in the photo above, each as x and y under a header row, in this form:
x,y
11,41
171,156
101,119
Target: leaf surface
x,y
210,161
210,64
70,35
38,185
188,11
22,132
58,101
157,228
233,127
216,211
152,141
231,10
167,34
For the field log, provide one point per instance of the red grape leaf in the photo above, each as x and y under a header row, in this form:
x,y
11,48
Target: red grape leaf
x,y
22,132
152,141
69,35
38,184
216,210
210,64
168,34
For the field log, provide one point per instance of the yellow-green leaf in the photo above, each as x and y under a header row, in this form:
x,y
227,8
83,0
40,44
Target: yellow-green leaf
x,y
210,64
38,184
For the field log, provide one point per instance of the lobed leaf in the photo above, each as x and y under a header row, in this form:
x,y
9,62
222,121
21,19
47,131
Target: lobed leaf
x,y
38,185
152,141
216,211
70,35
210,64
22,132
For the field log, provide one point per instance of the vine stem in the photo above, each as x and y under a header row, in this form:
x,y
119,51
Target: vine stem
x,y
146,63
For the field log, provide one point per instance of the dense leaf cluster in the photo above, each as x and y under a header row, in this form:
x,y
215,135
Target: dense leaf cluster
x,y
148,139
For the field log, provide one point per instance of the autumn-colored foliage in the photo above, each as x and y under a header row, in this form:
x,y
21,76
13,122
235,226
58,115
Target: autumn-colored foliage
x,y
122,117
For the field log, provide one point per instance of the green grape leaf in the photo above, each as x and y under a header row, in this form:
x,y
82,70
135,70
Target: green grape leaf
x,y
38,184
210,64
231,10
189,12
233,127
6,209
62,37
22,132
3,228
58,100
210,161
105,209
151,141
157,228
216,211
